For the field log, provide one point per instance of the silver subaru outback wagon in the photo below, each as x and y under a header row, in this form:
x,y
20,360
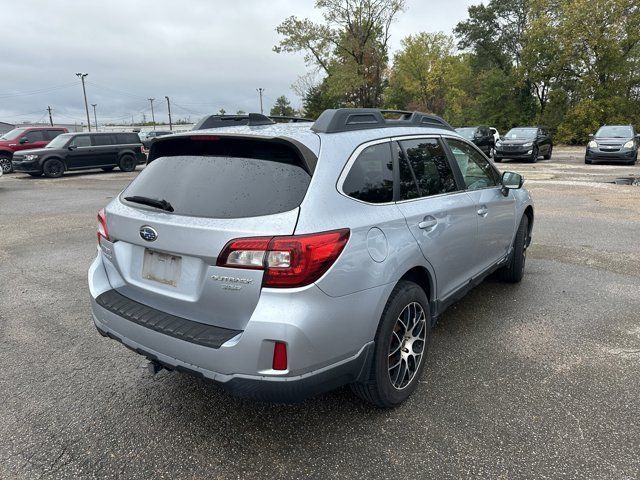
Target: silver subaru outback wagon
x,y
285,260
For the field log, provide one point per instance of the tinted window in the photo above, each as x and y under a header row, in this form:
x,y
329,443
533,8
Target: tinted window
x,y
126,138
51,134
103,140
81,141
371,176
225,186
475,168
35,136
427,163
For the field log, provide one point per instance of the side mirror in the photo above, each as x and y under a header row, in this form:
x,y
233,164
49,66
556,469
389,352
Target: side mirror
x,y
638,136
511,181
591,135
24,140
72,147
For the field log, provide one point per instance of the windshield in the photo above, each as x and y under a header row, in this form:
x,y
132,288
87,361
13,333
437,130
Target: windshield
x,y
521,134
623,131
467,132
13,134
59,141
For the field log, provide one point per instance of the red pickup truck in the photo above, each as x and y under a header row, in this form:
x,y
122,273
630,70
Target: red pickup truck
x,y
26,138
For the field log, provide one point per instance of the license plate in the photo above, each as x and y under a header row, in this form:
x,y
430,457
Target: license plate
x,y
161,267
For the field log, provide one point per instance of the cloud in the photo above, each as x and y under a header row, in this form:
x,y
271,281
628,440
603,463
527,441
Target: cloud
x,y
204,54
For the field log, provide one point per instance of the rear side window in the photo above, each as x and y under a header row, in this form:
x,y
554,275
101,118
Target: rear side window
x,y
51,134
234,182
371,176
425,169
99,140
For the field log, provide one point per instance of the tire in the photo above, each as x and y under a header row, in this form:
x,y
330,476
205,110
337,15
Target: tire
x,y
549,153
388,387
107,169
587,161
5,164
534,157
514,270
497,159
127,163
53,168
35,174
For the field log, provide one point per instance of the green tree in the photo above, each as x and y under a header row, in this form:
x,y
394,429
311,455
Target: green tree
x,y
421,70
350,47
283,107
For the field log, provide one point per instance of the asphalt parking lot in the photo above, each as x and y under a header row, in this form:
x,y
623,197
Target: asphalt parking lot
x,y
536,380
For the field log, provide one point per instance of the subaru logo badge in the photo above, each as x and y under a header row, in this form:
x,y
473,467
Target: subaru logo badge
x,y
149,234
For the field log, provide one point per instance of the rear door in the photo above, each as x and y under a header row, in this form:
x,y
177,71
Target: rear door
x,y
220,190
439,214
104,150
495,212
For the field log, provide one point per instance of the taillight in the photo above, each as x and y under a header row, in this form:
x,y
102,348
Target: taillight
x,y
288,262
279,356
103,231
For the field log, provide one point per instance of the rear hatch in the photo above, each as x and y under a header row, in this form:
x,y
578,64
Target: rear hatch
x,y
219,189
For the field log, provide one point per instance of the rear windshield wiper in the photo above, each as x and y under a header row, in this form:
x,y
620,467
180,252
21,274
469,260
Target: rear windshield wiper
x,y
152,202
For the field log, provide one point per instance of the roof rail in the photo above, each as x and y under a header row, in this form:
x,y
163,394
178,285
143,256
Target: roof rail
x,y
252,119
348,119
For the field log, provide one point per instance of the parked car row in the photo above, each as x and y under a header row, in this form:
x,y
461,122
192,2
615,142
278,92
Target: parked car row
x,y
527,143
81,151
28,138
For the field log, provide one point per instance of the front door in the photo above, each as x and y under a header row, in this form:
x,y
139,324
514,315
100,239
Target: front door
x,y
32,139
80,152
439,214
495,211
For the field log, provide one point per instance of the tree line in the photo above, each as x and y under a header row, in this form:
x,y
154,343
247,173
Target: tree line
x,y
571,65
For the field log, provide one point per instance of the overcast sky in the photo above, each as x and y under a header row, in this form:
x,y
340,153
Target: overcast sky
x,y
204,54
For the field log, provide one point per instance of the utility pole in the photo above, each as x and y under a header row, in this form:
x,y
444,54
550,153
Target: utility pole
x,y
95,117
260,91
169,109
50,118
153,117
84,91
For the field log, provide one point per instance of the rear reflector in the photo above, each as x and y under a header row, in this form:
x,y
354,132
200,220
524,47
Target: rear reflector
x,y
280,356
288,262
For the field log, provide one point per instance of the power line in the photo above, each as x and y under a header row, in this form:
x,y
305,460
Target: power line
x,y
38,91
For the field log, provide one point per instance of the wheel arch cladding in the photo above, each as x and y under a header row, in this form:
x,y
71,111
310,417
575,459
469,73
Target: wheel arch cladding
x,y
422,277
529,213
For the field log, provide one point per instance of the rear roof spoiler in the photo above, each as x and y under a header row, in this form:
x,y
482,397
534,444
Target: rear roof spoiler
x,y
349,119
180,144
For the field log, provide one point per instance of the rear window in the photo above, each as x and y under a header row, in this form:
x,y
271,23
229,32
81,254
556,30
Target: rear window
x,y
244,181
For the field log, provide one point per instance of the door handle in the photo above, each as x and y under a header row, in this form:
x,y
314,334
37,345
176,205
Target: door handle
x,y
428,223
483,211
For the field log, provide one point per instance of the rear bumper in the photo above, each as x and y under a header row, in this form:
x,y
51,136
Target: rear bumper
x,y
328,345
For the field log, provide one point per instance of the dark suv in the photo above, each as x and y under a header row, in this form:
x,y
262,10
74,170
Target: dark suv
x,y
482,137
26,138
527,143
81,151
613,143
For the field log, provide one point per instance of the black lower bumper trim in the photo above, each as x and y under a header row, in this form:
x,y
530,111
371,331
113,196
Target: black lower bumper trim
x,y
177,327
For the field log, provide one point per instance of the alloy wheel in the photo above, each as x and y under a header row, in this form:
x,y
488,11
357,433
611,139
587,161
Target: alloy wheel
x,y
407,345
